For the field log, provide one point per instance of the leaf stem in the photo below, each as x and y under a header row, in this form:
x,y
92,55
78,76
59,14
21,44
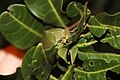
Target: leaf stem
x,y
72,26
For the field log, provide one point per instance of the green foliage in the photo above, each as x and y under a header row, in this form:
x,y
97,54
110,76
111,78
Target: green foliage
x,y
35,64
48,10
19,27
65,39
96,64
102,22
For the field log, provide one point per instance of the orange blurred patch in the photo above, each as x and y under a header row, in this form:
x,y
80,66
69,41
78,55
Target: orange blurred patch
x,y
13,50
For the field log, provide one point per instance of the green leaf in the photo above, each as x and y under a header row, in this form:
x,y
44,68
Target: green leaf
x,y
50,11
83,42
68,75
103,21
35,64
96,27
73,53
105,56
62,68
19,27
18,74
112,40
62,52
73,9
40,63
86,49
52,78
51,55
111,22
26,64
82,45
84,75
87,36
96,64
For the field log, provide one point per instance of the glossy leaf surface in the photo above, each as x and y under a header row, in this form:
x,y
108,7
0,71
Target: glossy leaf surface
x,y
19,27
35,64
50,11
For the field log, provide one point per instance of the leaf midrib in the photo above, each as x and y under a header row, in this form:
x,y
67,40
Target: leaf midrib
x,y
104,26
86,44
101,54
24,25
96,71
111,37
55,12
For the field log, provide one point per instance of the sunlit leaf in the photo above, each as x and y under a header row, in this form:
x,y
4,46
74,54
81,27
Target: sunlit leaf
x,y
73,53
52,78
69,73
62,52
83,42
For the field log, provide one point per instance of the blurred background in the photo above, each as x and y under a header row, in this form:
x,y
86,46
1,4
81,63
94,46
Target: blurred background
x,y
5,3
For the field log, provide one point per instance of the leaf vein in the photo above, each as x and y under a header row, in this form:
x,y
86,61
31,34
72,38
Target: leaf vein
x,y
25,26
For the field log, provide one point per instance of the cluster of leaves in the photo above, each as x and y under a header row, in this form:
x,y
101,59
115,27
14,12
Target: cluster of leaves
x,y
61,36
